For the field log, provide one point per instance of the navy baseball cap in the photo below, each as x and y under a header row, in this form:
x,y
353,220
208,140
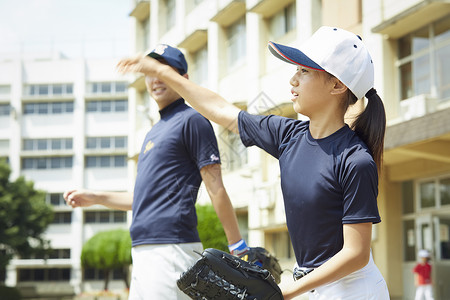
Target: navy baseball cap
x,y
336,51
173,56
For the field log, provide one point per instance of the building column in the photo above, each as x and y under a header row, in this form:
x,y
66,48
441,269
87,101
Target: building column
x,y
155,21
78,173
309,18
11,275
16,117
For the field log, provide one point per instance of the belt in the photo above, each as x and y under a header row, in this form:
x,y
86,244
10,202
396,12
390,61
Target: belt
x,y
300,272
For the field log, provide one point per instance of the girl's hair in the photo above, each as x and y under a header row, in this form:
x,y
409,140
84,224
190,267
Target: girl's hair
x,y
370,124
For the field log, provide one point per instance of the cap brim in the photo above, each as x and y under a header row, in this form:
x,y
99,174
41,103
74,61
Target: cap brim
x,y
292,56
169,61
154,55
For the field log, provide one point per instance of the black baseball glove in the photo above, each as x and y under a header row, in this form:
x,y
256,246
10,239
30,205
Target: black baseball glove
x,y
263,258
220,275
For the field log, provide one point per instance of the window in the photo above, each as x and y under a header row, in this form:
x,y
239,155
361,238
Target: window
x,y
121,105
96,274
170,14
47,144
107,106
5,90
60,254
47,108
5,109
444,191
62,218
427,194
107,87
409,238
106,216
120,142
48,89
51,274
119,217
432,194
283,21
200,70
236,42
103,161
234,155
56,199
417,52
105,143
44,163
51,254
121,87
4,146
279,243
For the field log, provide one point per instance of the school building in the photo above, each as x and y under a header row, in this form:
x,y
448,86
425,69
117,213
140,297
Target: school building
x,y
65,123
225,42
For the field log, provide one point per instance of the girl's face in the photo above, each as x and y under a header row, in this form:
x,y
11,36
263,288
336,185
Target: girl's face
x,y
310,90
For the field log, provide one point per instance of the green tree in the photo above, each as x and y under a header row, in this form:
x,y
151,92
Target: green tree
x,y
24,216
107,251
210,229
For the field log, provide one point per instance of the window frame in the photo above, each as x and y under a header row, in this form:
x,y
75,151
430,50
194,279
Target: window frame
x,y
429,54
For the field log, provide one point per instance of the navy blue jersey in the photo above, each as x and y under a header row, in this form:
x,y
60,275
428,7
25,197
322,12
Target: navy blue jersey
x,y
325,182
168,176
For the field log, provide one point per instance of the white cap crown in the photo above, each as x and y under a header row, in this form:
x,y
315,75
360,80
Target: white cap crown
x,y
342,54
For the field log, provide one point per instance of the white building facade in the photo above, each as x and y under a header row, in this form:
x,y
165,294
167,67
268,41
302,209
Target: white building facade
x,y
65,123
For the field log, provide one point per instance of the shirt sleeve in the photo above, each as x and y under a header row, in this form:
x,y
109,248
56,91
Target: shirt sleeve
x,y
360,186
200,141
266,132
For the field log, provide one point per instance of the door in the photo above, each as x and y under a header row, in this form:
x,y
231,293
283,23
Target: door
x,y
441,257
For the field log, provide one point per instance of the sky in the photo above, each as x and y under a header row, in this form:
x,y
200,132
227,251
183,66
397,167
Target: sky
x,y
75,28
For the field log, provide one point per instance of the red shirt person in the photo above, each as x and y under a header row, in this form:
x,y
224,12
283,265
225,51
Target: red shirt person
x,y
422,276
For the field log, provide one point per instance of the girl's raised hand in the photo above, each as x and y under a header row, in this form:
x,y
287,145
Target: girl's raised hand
x,y
139,64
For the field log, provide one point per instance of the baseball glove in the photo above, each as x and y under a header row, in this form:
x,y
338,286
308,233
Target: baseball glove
x,y
263,258
220,275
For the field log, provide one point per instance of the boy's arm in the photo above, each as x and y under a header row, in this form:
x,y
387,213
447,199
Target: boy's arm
x,y
212,177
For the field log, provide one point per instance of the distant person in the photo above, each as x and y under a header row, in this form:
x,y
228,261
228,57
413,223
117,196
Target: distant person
x,y
178,153
422,276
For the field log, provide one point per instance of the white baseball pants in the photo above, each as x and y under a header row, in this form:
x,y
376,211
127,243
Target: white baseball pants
x,y
156,269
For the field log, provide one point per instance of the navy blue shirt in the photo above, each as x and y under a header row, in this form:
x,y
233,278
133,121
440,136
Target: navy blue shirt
x,y
325,182
168,176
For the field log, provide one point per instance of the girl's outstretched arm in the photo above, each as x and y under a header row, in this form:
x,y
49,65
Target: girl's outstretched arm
x,y
206,102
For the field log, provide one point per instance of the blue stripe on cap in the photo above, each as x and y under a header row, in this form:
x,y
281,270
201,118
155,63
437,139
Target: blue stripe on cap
x,y
292,56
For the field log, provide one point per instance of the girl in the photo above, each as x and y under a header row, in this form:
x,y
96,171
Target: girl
x,y
329,170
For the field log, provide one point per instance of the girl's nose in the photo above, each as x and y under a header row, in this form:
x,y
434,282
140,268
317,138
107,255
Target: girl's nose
x,y
293,81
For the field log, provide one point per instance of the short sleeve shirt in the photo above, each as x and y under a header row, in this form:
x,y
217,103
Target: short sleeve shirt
x,y
168,176
325,182
424,272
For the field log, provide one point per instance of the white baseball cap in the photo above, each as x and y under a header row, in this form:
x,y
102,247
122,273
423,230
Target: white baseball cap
x,y
424,253
336,51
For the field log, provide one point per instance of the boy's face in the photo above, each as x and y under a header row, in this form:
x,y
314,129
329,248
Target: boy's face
x,y
161,92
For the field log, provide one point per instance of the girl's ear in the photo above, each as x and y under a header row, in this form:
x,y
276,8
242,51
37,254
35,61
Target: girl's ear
x,y
186,76
338,88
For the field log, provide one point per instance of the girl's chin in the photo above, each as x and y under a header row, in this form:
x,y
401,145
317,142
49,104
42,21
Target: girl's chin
x,y
296,108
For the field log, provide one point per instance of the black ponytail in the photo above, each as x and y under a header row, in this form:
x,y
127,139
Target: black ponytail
x,y
370,125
